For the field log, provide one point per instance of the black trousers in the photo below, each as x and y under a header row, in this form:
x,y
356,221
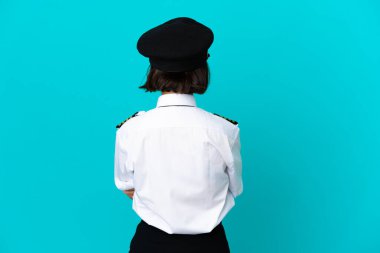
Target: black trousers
x,y
149,239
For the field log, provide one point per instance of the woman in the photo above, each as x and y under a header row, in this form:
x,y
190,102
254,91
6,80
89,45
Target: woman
x,y
179,163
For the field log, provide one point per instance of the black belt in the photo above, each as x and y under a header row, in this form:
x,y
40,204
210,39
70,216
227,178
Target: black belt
x,y
176,105
157,230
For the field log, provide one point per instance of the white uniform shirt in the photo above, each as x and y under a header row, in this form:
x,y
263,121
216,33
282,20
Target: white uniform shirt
x,y
183,162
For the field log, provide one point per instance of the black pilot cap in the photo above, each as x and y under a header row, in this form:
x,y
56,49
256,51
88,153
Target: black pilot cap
x,y
178,45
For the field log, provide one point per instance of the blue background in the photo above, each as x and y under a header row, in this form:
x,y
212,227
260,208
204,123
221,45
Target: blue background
x,y
301,78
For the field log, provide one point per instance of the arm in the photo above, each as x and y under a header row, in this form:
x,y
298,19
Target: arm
x,y
234,167
129,193
123,169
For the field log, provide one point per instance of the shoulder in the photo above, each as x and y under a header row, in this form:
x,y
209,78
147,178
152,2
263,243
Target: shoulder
x,y
227,126
228,119
138,113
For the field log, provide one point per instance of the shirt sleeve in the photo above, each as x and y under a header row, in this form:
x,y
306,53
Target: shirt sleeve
x,y
123,169
234,168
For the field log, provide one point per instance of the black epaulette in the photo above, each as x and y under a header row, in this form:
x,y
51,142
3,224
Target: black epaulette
x,y
121,123
230,120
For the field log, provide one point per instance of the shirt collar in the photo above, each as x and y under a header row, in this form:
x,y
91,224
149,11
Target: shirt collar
x,y
173,99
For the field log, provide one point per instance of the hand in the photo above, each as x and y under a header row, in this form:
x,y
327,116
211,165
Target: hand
x,y
129,193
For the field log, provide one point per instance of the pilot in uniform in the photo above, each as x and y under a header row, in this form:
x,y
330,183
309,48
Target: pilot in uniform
x,y
183,162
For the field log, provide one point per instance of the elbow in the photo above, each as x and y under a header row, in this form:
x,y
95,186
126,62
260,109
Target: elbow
x,y
237,193
124,185
236,190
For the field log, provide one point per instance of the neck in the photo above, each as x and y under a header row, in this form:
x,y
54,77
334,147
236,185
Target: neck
x,y
168,92
172,92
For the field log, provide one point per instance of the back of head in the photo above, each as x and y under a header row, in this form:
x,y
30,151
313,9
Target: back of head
x,y
187,82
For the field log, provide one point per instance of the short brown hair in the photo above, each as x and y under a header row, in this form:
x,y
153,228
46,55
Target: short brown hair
x,y
188,82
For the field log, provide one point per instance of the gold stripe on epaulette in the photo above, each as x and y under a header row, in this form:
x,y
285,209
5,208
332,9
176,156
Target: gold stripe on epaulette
x,y
121,123
230,120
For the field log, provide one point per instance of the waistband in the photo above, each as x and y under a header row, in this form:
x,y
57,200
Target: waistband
x,y
155,230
